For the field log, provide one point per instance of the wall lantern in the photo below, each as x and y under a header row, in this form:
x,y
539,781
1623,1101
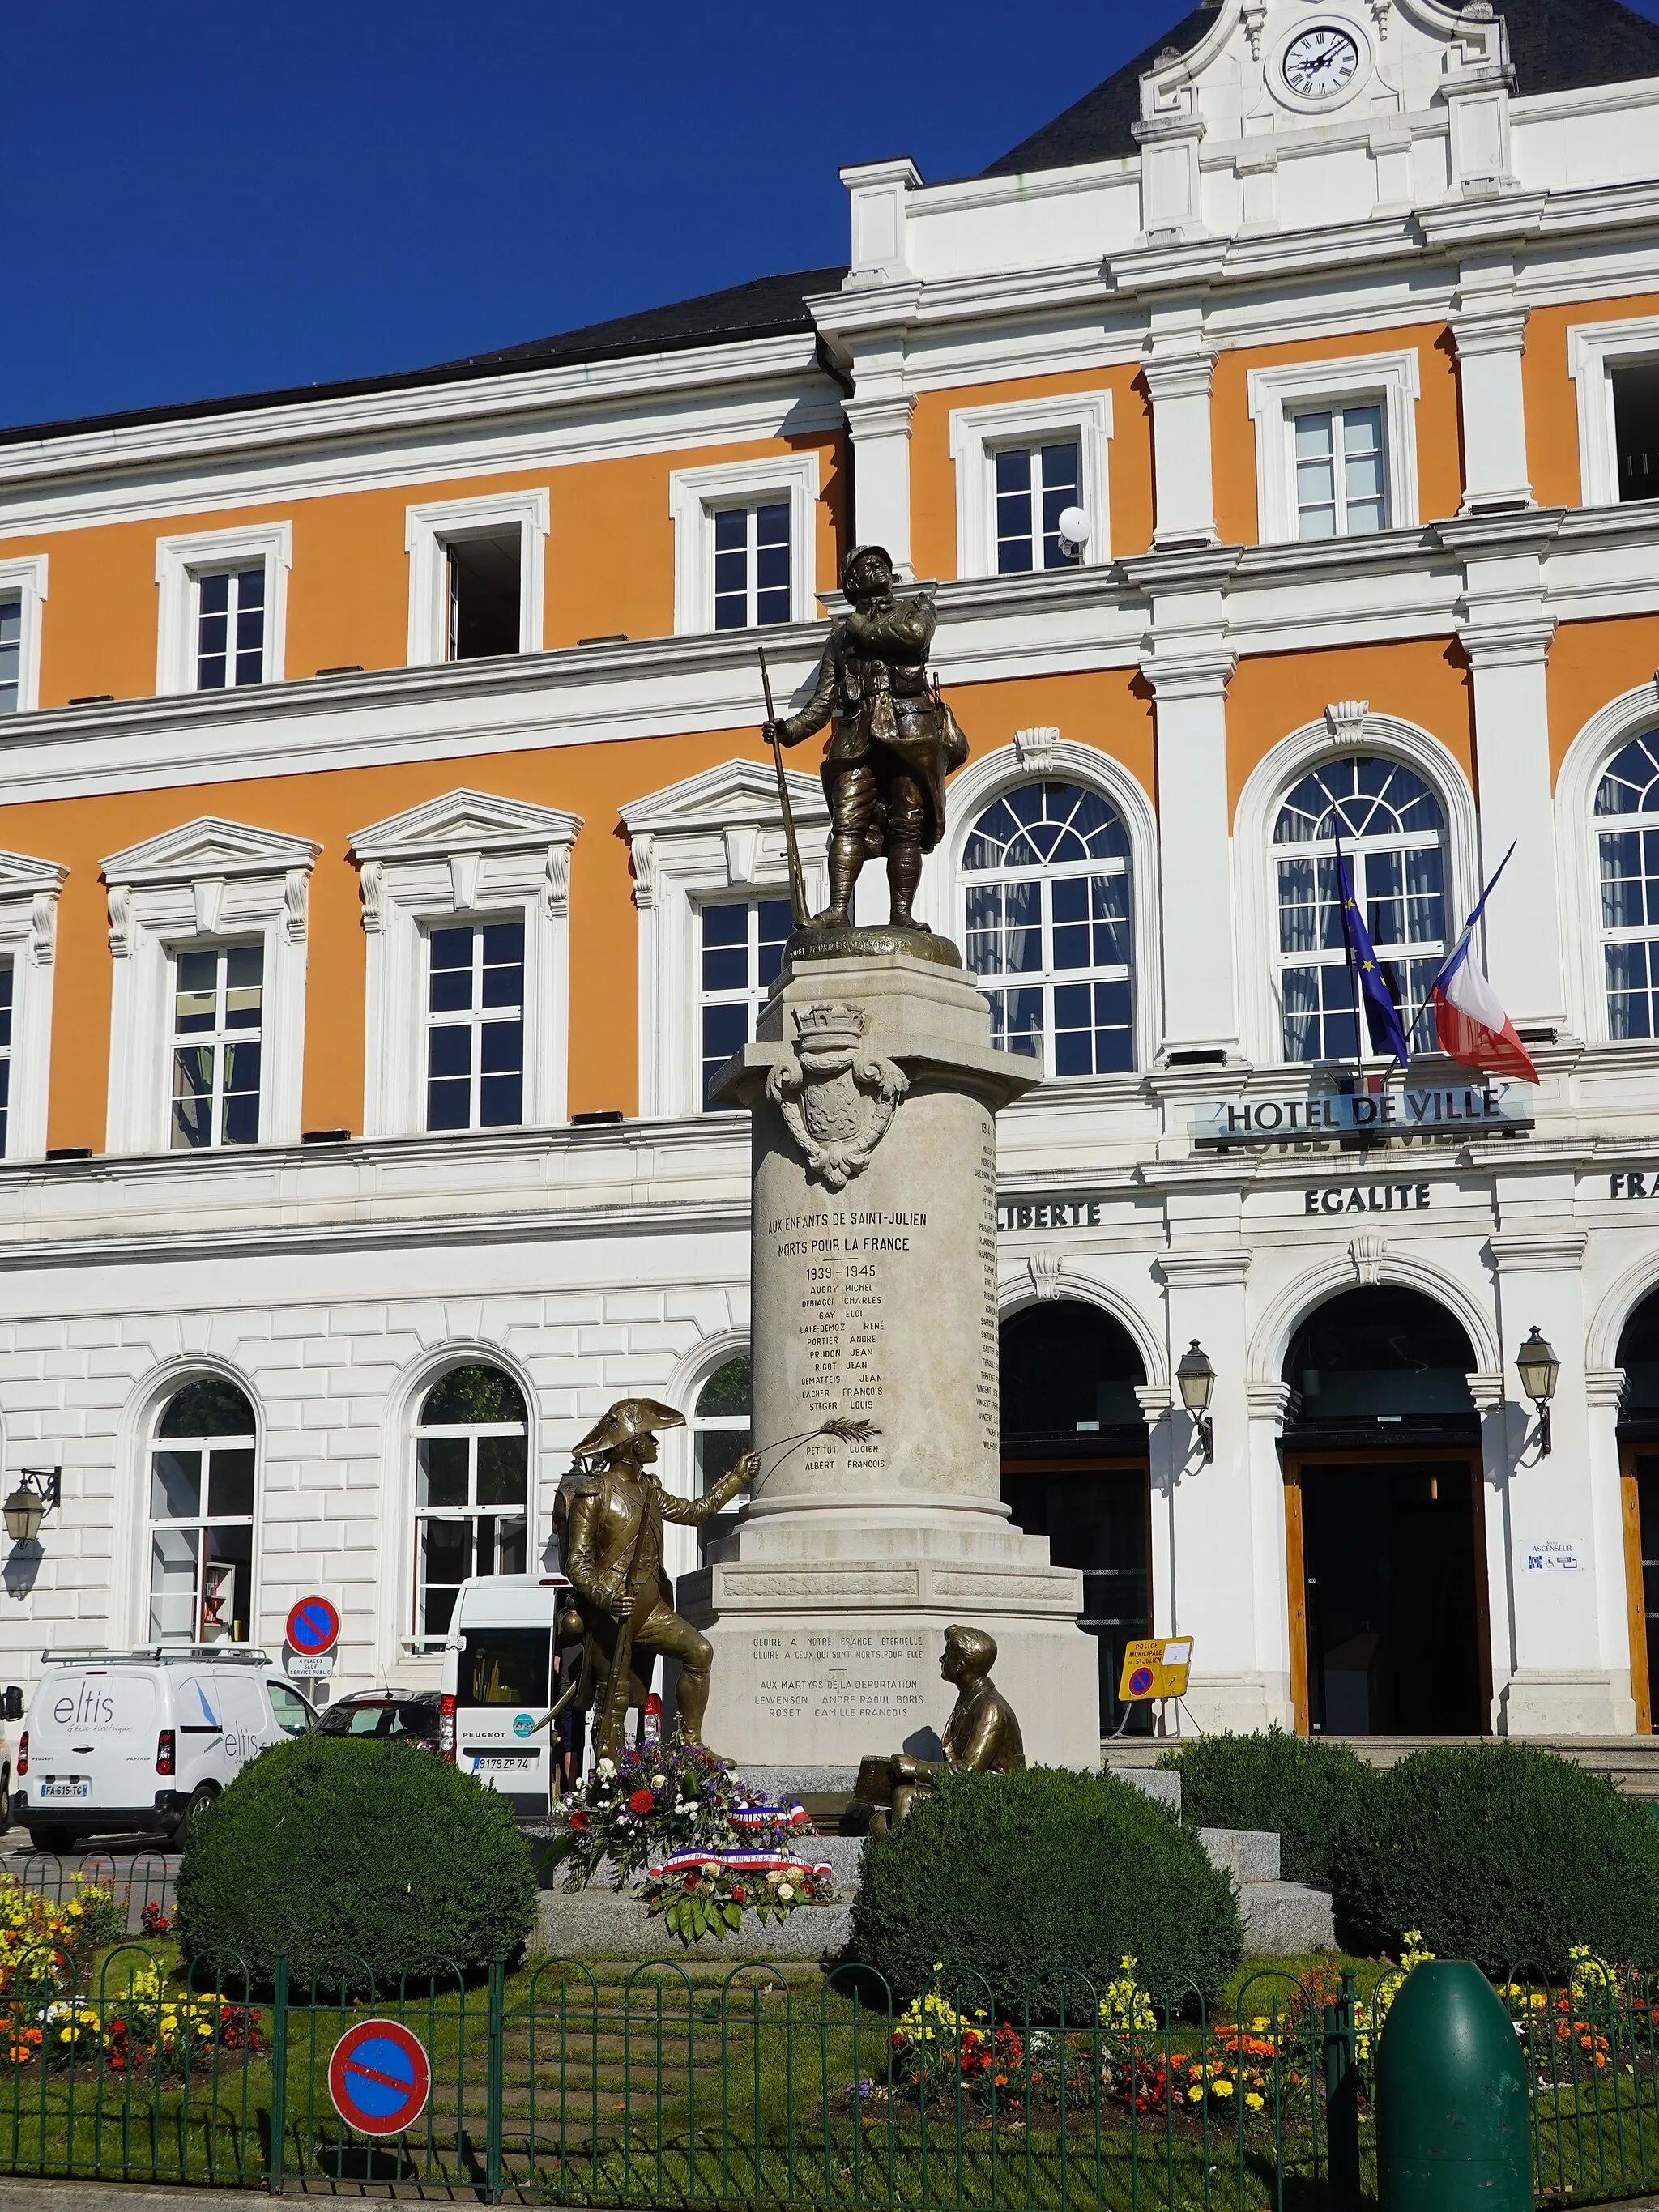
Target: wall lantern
x,y
1197,1379
38,1490
1538,1368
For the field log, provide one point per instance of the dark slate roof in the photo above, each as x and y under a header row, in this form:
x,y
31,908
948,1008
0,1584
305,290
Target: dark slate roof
x,y
767,307
1557,46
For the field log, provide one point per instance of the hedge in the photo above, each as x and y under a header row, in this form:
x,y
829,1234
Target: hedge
x,y
1034,1879
1303,1789
1502,1854
349,1855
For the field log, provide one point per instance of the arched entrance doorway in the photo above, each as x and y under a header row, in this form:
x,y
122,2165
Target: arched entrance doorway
x,y
1638,1468
1074,1469
1384,1527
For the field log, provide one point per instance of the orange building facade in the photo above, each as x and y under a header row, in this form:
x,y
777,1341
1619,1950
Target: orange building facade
x,y
389,854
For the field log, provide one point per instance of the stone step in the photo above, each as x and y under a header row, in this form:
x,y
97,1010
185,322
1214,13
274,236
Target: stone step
x,y
1283,1919
1250,1855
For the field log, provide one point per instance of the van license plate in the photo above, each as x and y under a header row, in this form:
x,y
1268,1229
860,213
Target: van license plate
x,y
65,1790
504,1762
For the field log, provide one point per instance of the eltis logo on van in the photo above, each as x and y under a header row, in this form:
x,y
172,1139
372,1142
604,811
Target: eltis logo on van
x,y
523,1725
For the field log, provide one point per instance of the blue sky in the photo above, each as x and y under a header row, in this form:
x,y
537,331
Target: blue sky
x,y
204,199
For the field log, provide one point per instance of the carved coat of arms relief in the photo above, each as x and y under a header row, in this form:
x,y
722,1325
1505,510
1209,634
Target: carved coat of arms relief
x,y
836,1098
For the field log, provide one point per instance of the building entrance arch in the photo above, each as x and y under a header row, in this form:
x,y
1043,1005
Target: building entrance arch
x,y
1384,1521
1638,1471
1075,1470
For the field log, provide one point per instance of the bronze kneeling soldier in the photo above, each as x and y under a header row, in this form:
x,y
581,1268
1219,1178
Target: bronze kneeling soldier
x,y
608,1518
981,1737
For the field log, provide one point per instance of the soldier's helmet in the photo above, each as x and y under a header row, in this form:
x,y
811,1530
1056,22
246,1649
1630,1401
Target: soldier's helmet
x,y
863,553
628,1419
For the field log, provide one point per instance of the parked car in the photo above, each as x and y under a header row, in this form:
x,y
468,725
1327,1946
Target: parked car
x,y
390,1714
117,1742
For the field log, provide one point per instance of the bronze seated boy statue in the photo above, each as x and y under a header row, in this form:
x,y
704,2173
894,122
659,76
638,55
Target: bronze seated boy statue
x,y
981,1737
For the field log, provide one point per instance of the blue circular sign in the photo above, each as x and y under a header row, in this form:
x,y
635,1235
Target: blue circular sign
x,y
313,1627
1140,1681
523,1724
380,2077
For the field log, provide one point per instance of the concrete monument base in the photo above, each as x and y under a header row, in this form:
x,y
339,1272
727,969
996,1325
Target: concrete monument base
x,y
873,1087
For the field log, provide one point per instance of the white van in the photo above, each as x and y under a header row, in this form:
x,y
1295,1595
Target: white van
x,y
498,1678
119,1741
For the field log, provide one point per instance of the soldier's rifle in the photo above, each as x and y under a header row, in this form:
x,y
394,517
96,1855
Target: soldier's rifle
x,y
797,880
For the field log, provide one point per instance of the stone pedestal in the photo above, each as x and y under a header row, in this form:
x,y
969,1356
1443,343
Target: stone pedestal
x,y
873,1087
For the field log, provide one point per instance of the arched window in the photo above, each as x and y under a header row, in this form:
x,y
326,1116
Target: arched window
x,y
1394,834
471,1487
1049,927
1627,849
202,1467
721,1431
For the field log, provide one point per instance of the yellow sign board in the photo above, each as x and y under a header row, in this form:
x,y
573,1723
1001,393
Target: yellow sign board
x,y
1155,1667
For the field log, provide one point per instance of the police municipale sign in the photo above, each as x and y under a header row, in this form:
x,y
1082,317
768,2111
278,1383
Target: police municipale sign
x,y
1155,1667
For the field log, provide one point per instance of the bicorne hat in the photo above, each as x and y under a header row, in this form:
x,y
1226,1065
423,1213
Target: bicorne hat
x,y
628,1419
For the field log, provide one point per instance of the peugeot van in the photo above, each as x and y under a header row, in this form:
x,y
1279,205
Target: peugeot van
x,y
116,1742
498,1680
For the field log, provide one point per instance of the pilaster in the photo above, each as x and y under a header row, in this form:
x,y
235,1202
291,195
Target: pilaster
x,y
1506,633
1489,327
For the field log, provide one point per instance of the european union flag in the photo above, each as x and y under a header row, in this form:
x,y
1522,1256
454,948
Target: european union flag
x,y
1383,1020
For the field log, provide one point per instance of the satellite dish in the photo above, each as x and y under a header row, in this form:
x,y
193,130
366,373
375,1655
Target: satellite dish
x,y
1074,528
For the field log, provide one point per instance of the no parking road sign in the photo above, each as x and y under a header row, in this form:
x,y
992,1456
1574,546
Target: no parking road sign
x,y
380,2077
314,1630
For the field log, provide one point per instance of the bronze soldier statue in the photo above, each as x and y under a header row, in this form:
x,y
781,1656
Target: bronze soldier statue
x,y
981,1737
608,1519
894,739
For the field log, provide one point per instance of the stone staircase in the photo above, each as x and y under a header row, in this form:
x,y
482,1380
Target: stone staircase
x,y
1282,1919
1631,1761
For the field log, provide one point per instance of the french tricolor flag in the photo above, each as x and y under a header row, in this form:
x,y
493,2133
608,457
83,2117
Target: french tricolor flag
x,y
1469,1024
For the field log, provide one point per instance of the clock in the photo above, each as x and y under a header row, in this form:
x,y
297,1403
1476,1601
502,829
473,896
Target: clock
x,y
1321,63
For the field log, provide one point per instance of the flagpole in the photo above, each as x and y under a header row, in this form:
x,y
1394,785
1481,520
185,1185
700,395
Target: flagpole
x,y
1463,935
1353,971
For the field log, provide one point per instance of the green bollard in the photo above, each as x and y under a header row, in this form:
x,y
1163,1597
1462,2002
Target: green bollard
x,y
1453,2125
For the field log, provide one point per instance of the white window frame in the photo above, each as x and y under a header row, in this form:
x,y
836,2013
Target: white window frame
x,y
468,856
719,835
470,1514
1044,756
29,891
976,435
477,1018
1594,351
428,530
204,1521
1390,380
179,562
207,881
220,1038
693,496
25,579
752,996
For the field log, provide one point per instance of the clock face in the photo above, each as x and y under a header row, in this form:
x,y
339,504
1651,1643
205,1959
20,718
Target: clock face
x,y
1321,62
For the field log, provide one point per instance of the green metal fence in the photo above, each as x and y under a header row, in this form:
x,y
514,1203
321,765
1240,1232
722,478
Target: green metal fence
x,y
684,2083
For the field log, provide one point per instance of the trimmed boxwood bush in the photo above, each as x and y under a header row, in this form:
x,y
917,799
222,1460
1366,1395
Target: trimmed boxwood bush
x,y
1303,1789
1501,1853
351,1853
1025,1878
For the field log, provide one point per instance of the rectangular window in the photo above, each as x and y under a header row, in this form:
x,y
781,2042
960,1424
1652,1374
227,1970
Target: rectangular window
x,y
475,1026
751,565
1340,472
1636,428
218,1002
1034,485
742,953
230,629
7,981
11,652
483,594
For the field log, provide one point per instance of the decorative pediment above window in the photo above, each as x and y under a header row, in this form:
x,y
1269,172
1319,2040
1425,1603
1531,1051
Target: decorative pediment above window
x,y
739,791
209,846
466,821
